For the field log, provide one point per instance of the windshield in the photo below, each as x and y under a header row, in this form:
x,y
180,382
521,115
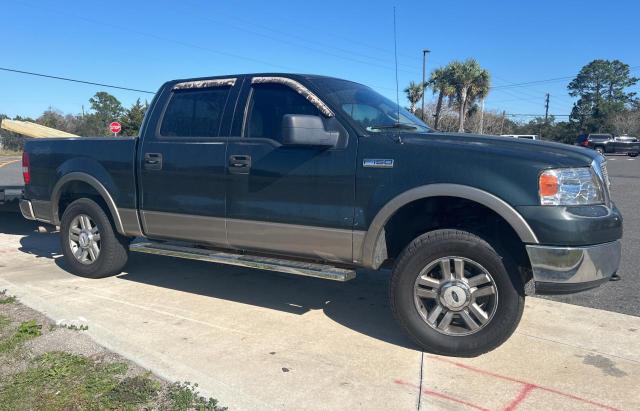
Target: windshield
x,y
368,109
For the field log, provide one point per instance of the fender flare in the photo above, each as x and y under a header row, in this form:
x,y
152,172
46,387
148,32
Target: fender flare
x,y
93,182
375,233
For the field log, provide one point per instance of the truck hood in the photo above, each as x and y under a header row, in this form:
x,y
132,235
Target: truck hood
x,y
543,153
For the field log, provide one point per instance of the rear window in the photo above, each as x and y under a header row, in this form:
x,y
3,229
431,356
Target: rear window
x,y
194,113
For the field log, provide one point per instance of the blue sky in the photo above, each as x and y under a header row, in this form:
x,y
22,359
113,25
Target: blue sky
x,y
141,44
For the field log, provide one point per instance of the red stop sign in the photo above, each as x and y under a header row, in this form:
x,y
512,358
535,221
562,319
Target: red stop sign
x,y
115,127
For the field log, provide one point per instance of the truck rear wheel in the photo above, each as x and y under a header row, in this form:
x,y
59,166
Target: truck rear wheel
x,y
90,245
453,294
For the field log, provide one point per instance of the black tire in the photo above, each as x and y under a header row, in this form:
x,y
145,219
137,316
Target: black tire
x,y
633,154
113,247
429,248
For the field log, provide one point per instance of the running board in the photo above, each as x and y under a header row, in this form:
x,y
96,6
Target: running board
x,y
326,272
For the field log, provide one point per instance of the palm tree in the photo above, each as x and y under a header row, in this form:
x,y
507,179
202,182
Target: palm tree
x,y
471,82
414,94
440,82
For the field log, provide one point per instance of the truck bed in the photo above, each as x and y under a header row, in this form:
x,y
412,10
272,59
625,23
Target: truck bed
x,y
109,160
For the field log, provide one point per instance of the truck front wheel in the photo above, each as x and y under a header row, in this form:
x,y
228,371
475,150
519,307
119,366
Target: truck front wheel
x,y
90,245
454,295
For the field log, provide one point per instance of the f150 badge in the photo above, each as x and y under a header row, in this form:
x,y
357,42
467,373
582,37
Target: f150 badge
x,y
377,162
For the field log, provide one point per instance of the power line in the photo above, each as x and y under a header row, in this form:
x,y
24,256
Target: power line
x,y
76,80
550,80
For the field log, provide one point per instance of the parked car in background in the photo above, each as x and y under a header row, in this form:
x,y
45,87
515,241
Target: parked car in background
x,y
523,136
607,144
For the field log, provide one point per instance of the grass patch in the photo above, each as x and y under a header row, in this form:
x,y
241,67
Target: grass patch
x,y
26,331
4,321
185,396
7,299
61,381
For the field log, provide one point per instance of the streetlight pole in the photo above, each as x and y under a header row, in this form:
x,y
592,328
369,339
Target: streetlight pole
x,y
424,76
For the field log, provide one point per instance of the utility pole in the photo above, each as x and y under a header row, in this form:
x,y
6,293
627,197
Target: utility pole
x,y
546,112
504,113
424,78
482,115
546,108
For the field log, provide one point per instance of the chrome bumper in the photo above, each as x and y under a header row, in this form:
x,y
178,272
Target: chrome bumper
x,y
563,270
27,210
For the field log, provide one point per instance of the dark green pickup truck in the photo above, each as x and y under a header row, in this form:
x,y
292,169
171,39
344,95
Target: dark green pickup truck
x,y
318,176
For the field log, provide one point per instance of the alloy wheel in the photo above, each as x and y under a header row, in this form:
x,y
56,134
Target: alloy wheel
x,y
455,296
84,239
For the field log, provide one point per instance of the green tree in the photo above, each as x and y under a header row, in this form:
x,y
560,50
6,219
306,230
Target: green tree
x,y
440,82
106,109
601,90
471,82
132,119
414,94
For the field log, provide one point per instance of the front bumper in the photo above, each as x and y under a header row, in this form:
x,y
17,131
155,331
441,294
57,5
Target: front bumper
x,y
564,270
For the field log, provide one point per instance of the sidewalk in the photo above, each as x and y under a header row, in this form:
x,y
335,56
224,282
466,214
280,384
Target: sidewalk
x,y
258,340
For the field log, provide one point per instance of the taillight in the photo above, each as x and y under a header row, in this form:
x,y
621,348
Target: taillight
x,y
585,143
26,170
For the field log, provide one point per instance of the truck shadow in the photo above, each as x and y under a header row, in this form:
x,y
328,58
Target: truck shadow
x,y
11,221
360,304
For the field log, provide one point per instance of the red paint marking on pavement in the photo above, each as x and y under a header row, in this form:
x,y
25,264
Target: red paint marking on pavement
x,y
442,395
515,380
522,395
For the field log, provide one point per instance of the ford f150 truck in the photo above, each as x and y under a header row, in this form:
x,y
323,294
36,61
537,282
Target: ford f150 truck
x,y
319,176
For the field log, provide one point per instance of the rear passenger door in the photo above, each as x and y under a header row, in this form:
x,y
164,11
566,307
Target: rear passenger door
x,y
182,162
293,200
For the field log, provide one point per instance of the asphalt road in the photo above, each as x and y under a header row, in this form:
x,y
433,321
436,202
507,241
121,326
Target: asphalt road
x,y
10,171
622,296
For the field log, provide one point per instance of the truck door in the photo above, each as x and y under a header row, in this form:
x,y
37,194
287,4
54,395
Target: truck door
x,y
183,160
292,200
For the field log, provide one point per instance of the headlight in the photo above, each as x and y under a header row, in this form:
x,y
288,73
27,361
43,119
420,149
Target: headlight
x,y
570,186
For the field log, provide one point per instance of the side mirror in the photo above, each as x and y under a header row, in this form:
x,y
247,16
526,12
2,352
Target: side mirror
x,y
302,129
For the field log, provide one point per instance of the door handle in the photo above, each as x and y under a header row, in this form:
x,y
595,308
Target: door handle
x,y
239,164
153,161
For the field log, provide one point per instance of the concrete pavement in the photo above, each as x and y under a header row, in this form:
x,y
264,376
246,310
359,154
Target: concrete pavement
x,y
259,340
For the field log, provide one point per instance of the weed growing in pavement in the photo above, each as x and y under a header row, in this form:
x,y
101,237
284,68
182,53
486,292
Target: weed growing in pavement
x,y
74,327
185,396
6,299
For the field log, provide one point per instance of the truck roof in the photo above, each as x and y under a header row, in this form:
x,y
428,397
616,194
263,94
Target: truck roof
x,y
277,74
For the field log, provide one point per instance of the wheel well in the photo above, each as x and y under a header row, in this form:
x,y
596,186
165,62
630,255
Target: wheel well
x,y
427,214
75,190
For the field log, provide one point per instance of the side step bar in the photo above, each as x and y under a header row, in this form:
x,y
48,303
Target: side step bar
x,y
326,272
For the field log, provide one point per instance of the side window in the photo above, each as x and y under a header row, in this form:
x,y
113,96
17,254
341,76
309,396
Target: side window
x,y
194,113
269,103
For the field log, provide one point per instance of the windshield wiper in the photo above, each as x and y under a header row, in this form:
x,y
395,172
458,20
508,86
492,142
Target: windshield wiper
x,y
400,126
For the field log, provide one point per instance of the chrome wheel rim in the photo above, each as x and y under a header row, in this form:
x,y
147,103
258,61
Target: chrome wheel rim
x,y
84,239
455,296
